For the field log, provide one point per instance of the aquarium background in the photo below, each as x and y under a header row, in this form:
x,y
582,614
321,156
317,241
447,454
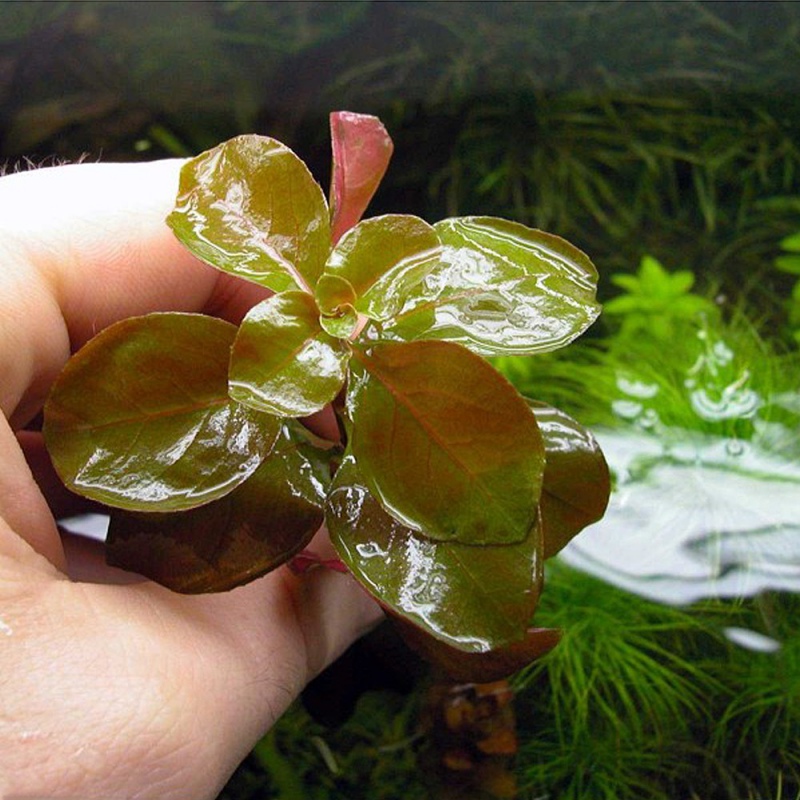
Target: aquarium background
x,y
663,138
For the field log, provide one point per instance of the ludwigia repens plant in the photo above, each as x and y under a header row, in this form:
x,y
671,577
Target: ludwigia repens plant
x,y
447,489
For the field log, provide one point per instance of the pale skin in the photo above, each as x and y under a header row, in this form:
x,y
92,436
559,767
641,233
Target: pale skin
x,y
113,689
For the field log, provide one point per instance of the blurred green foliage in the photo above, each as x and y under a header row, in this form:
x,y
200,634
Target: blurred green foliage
x,y
660,128
655,301
790,262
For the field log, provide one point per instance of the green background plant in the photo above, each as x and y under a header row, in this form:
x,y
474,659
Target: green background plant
x,y
667,129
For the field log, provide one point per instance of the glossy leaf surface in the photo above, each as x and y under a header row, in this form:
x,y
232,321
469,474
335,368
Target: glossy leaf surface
x,y
341,325
576,480
361,152
257,527
502,288
140,418
479,667
445,442
332,292
251,207
475,599
383,258
335,297
283,362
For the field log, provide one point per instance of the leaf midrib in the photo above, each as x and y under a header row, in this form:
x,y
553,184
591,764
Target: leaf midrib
x,y
163,414
402,399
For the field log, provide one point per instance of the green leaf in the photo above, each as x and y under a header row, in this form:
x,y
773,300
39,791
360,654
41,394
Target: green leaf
x,y
332,292
445,442
681,282
249,532
341,325
140,418
628,282
361,152
283,362
790,264
475,599
654,279
690,305
382,258
335,297
623,304
576,480
502,288
250,207
791,243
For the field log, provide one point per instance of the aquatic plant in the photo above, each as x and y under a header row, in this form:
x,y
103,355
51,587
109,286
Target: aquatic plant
x,y
717,376
718,406
790,262
655,300
756,740
449,488
640,699
613,714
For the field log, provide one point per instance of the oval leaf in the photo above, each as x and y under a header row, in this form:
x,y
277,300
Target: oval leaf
x,y
576,479
361,152
445,443
474,599
251,207
502,288
140,417
256,528
283,362
492,665
383,258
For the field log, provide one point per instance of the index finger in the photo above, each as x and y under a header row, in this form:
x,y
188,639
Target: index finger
x,y
83,246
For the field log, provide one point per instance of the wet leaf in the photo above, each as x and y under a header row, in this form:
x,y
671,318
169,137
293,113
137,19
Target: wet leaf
x,y
475,599
382,258
341,325
283,362
576,480
502,288
140,418
479,667
335,297
445,443
247,533
332,292
361,152
250,207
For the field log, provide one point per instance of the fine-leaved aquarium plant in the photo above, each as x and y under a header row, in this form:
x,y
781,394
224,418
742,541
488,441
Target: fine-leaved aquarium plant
x,y
789,261
446,490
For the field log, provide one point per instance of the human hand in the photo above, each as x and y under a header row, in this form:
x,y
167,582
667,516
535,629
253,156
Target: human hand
x,y
112,689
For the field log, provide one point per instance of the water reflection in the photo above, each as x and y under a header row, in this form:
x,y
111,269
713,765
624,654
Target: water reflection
x,y
706,517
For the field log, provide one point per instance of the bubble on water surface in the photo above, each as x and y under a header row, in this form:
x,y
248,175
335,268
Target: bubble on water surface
x,y
636,388
734,402
627,409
